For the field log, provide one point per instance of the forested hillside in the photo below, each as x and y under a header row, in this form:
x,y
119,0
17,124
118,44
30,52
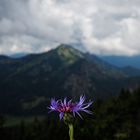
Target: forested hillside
x,y
113,119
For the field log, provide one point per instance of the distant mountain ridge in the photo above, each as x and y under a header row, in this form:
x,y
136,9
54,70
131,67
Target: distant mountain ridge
x,y
60,72
18,55
123,61
126,69
119,61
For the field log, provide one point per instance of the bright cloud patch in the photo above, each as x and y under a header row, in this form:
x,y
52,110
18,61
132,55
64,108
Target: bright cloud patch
x,y
98,26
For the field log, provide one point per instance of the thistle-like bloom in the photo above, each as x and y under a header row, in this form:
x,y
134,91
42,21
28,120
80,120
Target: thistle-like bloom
x,y
68,107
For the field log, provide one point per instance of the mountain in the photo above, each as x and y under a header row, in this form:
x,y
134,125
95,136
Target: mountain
x,y
128,71
18,55
28,83
131,71
123,61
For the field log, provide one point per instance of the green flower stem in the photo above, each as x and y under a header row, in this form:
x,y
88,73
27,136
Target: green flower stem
x,y
71,131
68,120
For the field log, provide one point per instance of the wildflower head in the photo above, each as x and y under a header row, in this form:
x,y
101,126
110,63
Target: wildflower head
x,y
68,107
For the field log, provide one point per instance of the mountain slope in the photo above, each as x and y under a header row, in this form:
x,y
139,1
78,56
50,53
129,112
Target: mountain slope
x,y
131,71
123,61
128,71
63,71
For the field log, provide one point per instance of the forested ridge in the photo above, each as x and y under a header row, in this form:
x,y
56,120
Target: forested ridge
x,y
112,119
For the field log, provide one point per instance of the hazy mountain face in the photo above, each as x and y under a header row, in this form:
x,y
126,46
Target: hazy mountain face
x,y
122,61
18,55
27,82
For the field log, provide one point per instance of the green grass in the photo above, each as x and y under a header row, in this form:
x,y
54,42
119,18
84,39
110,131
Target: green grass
x,y
34,102
14,120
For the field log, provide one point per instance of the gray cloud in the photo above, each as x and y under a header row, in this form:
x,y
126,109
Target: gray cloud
x,y
101,27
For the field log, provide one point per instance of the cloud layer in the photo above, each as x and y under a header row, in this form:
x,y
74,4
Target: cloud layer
x,y
106,27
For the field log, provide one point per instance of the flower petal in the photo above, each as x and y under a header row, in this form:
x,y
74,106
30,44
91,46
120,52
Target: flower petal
x,y
87,105
87,111
79,115
65,101
82,99
61,115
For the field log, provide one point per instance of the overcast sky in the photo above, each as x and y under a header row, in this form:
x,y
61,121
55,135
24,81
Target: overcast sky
x,y
106,27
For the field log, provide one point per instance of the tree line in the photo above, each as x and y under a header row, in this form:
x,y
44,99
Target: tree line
x,y
112,119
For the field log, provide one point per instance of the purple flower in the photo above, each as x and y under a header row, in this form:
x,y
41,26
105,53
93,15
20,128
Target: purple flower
x,y
68,107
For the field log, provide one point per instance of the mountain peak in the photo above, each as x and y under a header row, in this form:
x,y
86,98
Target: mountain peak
x,y
64,46
68,54
68,51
